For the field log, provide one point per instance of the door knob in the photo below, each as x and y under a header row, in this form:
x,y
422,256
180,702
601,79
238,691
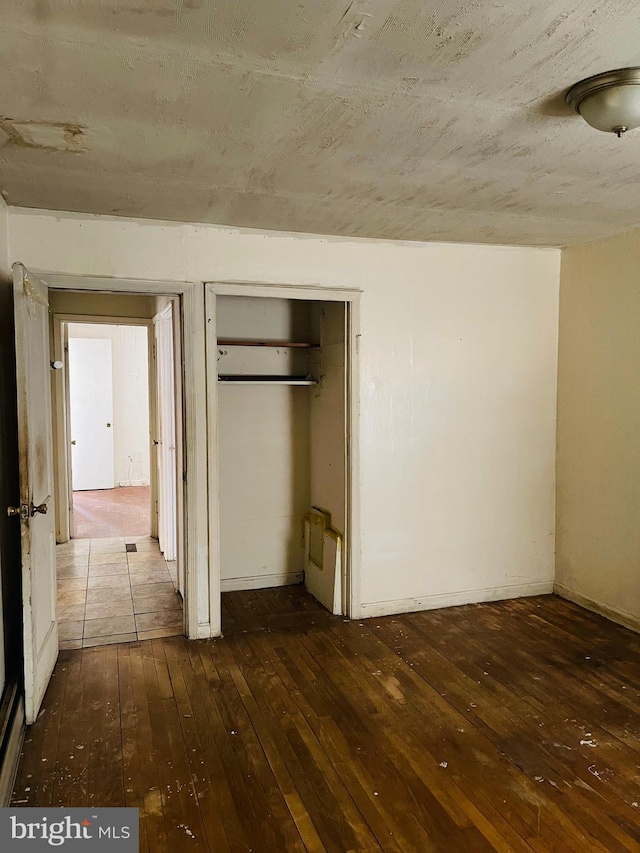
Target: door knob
x,y
108,425
22,510
73,441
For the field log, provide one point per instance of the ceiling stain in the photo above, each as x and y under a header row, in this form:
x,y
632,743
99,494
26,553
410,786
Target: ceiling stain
x,y
400,119
46,136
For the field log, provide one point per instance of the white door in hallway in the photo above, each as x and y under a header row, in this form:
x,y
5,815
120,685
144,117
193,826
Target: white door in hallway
x,y
167,461
35,509
91,413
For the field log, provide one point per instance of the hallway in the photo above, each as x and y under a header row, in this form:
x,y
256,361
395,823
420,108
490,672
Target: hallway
x,y
123,511
115,590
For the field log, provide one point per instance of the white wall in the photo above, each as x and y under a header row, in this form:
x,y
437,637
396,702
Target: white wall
x,y
130,361
264,449
458,386
598,533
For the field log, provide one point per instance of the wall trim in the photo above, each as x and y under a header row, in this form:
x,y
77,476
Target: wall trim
x,y
454,599
261,581
621,617
13,734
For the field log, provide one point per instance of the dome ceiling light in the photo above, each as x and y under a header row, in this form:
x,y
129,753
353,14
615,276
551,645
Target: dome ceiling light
x,y
609,101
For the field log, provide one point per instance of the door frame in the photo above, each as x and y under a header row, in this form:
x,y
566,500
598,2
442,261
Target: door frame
x,y
351,297
62,456
198,622
177,395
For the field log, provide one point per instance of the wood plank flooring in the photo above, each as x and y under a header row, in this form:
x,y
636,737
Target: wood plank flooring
x,y
508,727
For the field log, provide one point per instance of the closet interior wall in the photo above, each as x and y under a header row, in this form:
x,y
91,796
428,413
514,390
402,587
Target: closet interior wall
x,y
264,441
281,446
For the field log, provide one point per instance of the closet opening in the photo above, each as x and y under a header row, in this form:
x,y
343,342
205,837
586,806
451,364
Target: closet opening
x,y
284,454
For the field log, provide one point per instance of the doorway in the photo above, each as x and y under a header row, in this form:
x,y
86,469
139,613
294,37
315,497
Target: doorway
x,y
109,427
283,490
117,581
43,451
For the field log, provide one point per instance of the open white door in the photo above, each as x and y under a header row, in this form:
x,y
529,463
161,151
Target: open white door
x,y
166,407
37,518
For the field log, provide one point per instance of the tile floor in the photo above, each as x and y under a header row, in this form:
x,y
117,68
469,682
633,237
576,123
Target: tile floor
x,y
123,511
110,593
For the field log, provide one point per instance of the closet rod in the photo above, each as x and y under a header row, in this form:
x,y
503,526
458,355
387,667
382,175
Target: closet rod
x,y
229,342
230,379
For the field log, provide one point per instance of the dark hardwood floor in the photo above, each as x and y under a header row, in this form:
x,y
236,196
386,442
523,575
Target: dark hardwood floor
x,y
506,727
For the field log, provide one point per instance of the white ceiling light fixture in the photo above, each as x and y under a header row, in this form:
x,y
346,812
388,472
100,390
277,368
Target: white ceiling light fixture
x,y
609,102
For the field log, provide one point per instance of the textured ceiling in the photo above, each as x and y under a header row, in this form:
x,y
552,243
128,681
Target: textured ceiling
x,y
407,119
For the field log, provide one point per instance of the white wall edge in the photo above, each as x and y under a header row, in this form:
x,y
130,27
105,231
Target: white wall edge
x,y
261,581
453,599
627,620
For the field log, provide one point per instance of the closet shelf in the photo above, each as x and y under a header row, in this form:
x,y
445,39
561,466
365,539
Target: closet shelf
x,y
232,342
257,379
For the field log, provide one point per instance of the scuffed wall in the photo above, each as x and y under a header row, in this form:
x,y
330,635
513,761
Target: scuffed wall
x,y
598,467
457,387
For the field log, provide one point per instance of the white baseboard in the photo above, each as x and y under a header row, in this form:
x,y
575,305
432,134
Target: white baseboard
x,y
622,617
203,632
11,757
453,599
261,581
133,483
